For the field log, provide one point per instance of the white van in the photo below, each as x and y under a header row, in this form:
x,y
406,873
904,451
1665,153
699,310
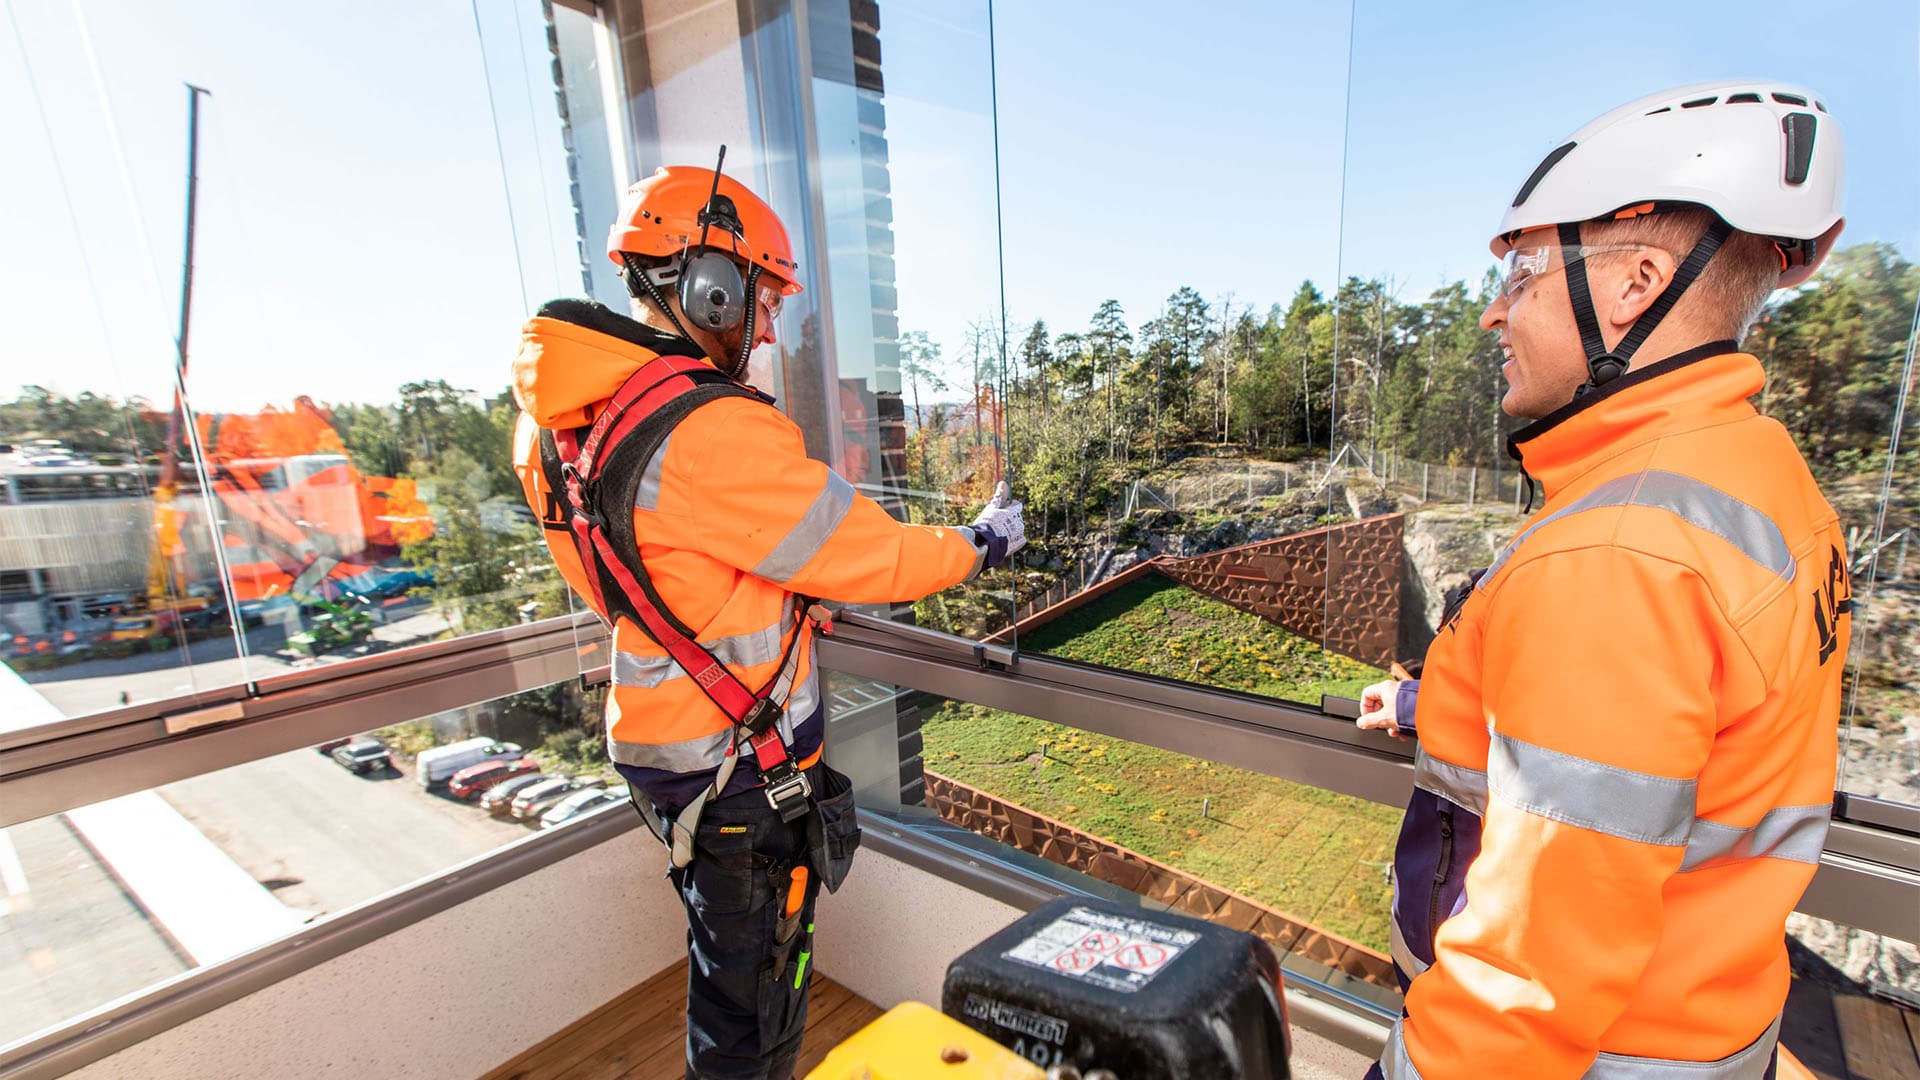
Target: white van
x,y
437,766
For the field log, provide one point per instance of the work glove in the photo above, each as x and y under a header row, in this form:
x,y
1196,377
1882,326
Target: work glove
x,y
1001,528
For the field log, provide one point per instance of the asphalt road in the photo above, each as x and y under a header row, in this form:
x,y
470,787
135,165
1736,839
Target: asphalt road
x,y
319,837
70,938
322,838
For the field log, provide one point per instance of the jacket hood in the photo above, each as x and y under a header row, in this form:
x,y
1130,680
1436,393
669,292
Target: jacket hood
x,y
575,354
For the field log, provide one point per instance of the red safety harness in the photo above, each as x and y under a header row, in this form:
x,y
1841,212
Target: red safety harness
x,y
595,478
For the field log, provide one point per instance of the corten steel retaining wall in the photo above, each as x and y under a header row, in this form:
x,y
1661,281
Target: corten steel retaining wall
x,y
1339,586
1018,827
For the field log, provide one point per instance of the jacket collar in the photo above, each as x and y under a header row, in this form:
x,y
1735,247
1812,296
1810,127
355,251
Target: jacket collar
x,y
1705,385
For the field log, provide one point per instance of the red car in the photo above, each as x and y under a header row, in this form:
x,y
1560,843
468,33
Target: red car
x,y
469,783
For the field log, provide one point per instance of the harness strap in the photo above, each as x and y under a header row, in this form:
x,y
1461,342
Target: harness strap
x,y
620,442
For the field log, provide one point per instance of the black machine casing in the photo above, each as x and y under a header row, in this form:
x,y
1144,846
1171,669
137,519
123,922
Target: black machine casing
x,y
1147,995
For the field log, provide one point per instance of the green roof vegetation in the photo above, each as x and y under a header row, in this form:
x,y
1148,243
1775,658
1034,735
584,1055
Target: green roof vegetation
x,y
1316,855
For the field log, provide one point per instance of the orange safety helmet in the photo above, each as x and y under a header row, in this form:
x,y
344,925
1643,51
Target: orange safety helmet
x,y
660,217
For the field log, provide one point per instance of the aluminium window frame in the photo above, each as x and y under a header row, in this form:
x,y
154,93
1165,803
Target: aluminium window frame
x,y
1869,875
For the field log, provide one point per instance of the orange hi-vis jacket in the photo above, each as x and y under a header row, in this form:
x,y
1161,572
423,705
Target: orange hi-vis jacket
x,y
1627,749
733,519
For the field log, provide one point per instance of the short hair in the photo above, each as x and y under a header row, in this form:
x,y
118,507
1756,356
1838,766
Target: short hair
x,y
1729,295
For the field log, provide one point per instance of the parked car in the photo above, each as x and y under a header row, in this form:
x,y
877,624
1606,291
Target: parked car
x,y
537,800
473,781
581,802
498,800
437,766
363,756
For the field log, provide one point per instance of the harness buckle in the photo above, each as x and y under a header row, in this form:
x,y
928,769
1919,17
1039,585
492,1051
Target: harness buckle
x,y
762,716
788,790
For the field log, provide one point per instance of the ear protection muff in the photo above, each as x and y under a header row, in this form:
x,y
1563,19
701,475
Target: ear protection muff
x,y
711,292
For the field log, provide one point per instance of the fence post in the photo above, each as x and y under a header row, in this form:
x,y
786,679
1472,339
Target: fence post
x,y
1516,494
1900,564
1473,485
1423,481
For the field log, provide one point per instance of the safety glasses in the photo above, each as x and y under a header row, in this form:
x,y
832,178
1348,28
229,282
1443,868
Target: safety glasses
x,y
770,297
1521,265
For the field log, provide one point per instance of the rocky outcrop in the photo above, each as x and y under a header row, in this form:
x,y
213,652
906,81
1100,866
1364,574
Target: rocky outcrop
x,y
1867,961
1443,544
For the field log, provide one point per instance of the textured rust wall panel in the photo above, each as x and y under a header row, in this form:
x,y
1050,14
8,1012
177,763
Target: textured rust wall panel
x,y
1018,827
1289,581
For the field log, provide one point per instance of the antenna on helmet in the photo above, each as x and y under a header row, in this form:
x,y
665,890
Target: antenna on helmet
x,y
709,212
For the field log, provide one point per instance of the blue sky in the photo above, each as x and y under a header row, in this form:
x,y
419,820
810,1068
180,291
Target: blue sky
x,y
355,231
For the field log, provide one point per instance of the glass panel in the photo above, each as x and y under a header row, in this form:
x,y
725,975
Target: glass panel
x,y
1880,755
1420,385
903,107
1169,410
333,479
108,899
1306,869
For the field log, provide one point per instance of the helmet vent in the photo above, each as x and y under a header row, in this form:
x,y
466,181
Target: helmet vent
x,y
1790,99
1698,102
1744,99
1540,172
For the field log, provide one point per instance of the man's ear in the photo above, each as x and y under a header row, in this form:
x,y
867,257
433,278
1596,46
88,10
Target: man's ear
x,y
1645,274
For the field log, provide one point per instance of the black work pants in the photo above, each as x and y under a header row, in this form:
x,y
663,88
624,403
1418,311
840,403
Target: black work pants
x,y
748,964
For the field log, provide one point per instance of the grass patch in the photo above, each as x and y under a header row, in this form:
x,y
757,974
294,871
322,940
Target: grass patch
x,y
1314,854
1159,627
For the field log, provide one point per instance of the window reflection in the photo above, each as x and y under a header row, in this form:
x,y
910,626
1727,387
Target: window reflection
x,y
330,477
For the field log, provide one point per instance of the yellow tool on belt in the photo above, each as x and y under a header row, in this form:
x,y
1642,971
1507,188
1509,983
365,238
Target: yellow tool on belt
x,y
913,1041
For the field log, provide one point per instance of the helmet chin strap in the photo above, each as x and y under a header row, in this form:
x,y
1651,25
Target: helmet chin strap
x,y
1604,366
738,368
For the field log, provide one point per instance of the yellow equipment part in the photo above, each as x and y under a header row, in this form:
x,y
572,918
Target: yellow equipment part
x,y
914,1042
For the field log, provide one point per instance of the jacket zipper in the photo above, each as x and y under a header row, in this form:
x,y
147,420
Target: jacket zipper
x,y
1440,874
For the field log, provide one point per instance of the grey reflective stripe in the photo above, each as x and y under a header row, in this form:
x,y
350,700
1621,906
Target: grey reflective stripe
x,y
1455,783
1410,965
1748,1064
690,755
1395,1064
649,496
738,651
805,699
804,541
1698,504
1794,833
1604,798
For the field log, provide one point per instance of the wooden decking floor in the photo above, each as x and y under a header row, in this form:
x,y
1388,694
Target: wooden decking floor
x,y
641,1034
1838,1036
1849,1036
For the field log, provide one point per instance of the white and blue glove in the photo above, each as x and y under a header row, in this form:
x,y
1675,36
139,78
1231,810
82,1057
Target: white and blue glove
x,y
1001,529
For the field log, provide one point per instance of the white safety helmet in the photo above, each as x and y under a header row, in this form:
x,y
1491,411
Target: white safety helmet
x,y
1766,157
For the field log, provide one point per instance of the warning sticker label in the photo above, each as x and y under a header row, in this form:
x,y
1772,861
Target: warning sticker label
x,y
1117,952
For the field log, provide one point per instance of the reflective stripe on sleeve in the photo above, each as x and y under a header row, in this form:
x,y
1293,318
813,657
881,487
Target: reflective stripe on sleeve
x,y
1602,798
1395,1064
1794,833
806,538
648,497
1455,783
